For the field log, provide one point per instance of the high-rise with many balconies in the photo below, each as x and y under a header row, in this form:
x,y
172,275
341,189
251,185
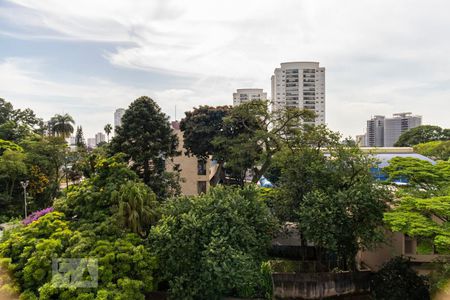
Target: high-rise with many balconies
x,y
300,85
247,95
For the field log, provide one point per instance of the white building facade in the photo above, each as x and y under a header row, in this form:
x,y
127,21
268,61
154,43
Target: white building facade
x,y
247,95
99,138
118,114
300,85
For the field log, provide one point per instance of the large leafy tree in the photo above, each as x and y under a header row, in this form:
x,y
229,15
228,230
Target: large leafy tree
x,y
147,140
12,170
422,209
45,157
425,218
328,189
16,124
422,134
62,125
243,139
213,245
423,177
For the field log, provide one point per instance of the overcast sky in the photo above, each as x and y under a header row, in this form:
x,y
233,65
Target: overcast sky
x,y
89,57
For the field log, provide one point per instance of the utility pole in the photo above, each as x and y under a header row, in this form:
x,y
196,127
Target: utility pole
x,y
25,185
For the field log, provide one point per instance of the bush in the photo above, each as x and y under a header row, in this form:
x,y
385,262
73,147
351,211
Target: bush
x,y
397,280
213,245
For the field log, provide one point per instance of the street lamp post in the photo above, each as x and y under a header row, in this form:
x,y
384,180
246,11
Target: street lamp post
x,y
25,185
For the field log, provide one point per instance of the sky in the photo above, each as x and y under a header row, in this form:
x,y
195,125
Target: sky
x,y
89,57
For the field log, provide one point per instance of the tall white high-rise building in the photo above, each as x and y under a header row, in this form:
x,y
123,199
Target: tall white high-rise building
x,y
399,123
118,114
246,95
301,85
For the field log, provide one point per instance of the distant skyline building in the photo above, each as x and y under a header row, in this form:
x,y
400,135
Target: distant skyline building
x,y
375,132
399,123
118,114
300,85
384,132
91,143
99,138
246,95
361,140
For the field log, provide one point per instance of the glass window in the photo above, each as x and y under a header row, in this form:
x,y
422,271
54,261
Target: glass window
x,y
201,167
201,187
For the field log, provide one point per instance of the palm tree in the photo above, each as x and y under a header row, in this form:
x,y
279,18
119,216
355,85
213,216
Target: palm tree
x,y
62,125
136,206
108,128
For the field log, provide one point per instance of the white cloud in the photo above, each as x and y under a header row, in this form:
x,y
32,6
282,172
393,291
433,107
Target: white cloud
x,y
375,52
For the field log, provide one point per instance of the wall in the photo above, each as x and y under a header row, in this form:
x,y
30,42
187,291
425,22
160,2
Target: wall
x,y
319,285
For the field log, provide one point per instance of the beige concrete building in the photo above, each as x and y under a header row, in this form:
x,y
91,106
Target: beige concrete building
x,y
195,173
247,95
398,244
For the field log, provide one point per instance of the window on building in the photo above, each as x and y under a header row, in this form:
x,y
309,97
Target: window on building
x,y
201,187
409,247
201,167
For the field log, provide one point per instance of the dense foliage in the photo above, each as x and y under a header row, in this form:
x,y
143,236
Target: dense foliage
x,y
422,134
438,150
327,187
85,224
422,210
147,140
398,281
243,139
213,245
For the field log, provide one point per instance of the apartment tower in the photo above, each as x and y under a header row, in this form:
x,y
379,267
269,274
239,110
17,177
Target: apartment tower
x,y
300,85
118,114
247,95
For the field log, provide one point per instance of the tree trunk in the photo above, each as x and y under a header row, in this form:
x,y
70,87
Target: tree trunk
x,y
218,176
146,174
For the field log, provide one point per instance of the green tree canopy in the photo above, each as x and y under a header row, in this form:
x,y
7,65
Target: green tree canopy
x,y
243,139
203,124
147,140
422,134
213,245
427,218
137,206
16,124
423,177
62,125
438,150
328,189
